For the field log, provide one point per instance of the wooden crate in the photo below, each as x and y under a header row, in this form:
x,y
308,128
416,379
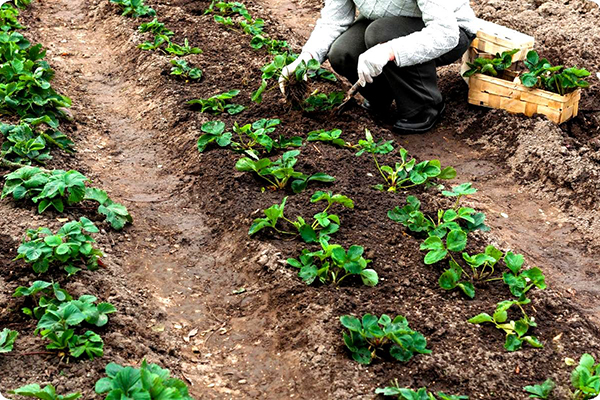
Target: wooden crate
x,y
513,97
493,38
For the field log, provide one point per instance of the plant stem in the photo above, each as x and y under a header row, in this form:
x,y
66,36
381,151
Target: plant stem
x,y
12,165
379,169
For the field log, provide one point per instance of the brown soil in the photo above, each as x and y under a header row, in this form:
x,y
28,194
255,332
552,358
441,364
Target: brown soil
x,y
223,311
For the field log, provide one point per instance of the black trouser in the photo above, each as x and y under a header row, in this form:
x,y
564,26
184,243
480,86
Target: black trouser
x,y
414,88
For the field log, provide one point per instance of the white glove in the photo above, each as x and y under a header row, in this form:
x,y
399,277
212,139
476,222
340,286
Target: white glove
x,y
291,68
372,61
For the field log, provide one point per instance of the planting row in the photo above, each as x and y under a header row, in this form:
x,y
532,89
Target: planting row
x,y
65,323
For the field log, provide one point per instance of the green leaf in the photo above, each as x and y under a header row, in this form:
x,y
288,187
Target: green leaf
x,y
369,277
514,262
308,234
351,322
541,391
456,240
435,256
363,356
513,343
480,319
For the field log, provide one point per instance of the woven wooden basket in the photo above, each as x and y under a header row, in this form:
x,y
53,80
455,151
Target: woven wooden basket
x,y
513,97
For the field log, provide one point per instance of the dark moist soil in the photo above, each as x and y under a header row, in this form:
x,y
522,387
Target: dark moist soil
x,y
223,310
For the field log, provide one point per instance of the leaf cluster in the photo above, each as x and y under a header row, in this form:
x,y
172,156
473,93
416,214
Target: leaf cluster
x,y
254,139
149,382
332,136
58,188
324,225
8,18
541,391
135,8
182,69
7,340
25,77
69,248
585,378
371,334
47,393
491,67
323,101
24,145
333,264
420,394
280,172
516,331
556,79
58,313
219,103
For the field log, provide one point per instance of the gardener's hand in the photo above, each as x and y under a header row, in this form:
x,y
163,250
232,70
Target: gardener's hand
x,y
372,61
291,68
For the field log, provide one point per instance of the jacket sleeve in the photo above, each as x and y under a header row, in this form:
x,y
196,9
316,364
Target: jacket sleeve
x,y
440,35
336,18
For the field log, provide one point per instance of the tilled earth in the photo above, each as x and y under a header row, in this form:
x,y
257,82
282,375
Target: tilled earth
x,y
222,310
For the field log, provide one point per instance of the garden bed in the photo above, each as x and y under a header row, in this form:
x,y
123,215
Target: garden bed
x,y
262,333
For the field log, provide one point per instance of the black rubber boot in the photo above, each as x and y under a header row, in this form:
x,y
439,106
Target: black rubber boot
x,y
422,122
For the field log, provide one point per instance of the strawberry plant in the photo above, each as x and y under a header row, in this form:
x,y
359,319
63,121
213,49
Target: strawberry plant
x,y
516,331
181,49
25,78
156,44
421,394
51,296
7,340
253,138
334,264
521,281
135,8
70,247
333,136
370,335
24,146
47,393
219,103
585,378
491,67
556,79
57,188
272,72
8,18
155,27
324,224
540,391
180,68
149,382
322,101
281,171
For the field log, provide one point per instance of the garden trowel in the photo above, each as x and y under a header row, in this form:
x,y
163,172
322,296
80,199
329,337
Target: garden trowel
x,y
349,96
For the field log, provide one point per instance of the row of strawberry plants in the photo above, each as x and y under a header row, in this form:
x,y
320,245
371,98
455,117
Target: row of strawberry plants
x,y
64,322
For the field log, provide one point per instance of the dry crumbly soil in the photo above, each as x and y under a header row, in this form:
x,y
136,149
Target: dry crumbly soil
x,y
223,311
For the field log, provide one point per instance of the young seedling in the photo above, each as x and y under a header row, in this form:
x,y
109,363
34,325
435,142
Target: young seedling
x,y
408,173
219,103
324,224
181,49
516,331
540,391
333,136
51,296
58,188
7,340
585,379
491,67
334,264
156,44
24,145
71,247
421,394
370,335
254,137
141,383
135,8
180,68
521,281
8,18
155,27
280,172
47,393
556,79
322,101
